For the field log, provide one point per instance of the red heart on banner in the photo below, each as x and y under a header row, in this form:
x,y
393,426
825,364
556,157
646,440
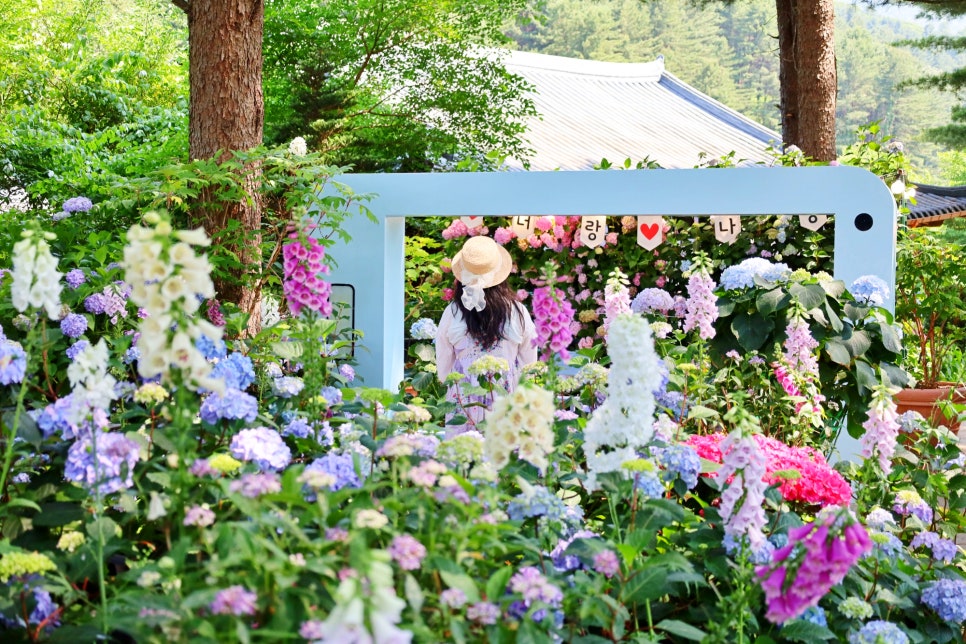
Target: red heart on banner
x,y
650,230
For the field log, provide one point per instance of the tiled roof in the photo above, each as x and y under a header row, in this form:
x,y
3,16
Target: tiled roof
x,y
594,110
934,204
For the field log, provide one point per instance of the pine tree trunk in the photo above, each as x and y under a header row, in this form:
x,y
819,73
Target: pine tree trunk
x,y
817,80
226,114
787,74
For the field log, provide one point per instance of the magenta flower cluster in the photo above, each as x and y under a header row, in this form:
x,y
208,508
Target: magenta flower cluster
x,y
816,558
702,305
553,316
303,288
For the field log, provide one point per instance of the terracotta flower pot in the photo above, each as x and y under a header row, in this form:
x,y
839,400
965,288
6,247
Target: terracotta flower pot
x,y
926,402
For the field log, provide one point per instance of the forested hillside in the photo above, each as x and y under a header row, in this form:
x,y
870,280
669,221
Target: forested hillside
x,y
729,51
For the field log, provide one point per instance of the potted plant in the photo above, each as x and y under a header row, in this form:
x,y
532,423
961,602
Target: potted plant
x,y
930,281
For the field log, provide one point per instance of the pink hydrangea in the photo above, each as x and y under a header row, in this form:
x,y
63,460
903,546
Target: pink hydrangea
x,y
456,230
817,484
503,236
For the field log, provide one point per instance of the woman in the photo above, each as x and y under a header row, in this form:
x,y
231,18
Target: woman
x,y
484,319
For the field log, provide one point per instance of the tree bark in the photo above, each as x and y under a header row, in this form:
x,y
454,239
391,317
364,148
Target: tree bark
x,y
806,45
226,114
817,80
787,75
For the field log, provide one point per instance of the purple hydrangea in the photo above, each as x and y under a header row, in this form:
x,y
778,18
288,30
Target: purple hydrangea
x,y
77,204
332,395
607,563
233,405
234,600
948,598
530,583
484,613
406,551
236,370
13,362
57,417
347,372
73,325
254,485
116,455
452,597
942,549
75,278
262,446
564,562
112,301
340,466
651,300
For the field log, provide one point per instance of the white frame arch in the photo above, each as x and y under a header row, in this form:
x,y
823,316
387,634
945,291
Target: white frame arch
x,y
373,261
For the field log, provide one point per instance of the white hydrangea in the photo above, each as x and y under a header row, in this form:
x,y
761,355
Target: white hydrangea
x,y
297,147
36,281
624,423
521,421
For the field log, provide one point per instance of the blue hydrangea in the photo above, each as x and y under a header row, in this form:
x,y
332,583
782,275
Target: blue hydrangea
x,y
77,348
423,329
948,598
679,462
879,632
340,466
211,349
567,563
75,277
674,402
287,386
73,325
536,502
44,609
233,405
743,275
761,556
665,377
815,615
132,354
650,484
332,395
884,544
13,362
236,370
262,446
650,300
298,428
870,289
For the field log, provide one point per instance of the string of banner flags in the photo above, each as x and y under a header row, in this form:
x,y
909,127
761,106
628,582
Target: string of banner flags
x,y
650,228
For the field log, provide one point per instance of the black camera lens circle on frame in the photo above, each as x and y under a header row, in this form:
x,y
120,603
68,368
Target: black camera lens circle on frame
x,y
863,221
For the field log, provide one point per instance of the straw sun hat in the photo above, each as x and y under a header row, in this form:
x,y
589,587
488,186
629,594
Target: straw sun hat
x,y
480,264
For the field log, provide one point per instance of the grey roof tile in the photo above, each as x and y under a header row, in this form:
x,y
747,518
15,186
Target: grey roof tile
x,y
936,203
593,110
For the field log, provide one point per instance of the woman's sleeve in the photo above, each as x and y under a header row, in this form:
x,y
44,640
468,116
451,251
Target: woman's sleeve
x,y
445,353
528,348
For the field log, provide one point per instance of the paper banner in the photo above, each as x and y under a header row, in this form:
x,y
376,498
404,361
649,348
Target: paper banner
x,y
726,228
812,222
522,227
472,222
593,230
650,231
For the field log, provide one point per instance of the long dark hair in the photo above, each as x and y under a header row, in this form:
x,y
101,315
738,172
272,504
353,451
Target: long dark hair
x,y
486,326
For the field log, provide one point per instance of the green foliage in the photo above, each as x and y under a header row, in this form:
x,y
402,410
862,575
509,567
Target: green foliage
x,y
929,305
398,86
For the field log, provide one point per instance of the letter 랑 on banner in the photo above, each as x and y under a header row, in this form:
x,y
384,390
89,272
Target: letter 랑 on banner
x,y
473,221
593,230
726,228
650,231
812,222
522,227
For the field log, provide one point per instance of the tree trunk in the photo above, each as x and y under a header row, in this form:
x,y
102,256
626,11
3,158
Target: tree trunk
x,y
226,114
787,76
806,45
817,80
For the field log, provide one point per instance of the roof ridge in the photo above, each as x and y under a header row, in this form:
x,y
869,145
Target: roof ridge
x,y
586,67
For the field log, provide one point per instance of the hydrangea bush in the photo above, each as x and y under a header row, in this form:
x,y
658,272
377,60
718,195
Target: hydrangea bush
x,y
166,480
